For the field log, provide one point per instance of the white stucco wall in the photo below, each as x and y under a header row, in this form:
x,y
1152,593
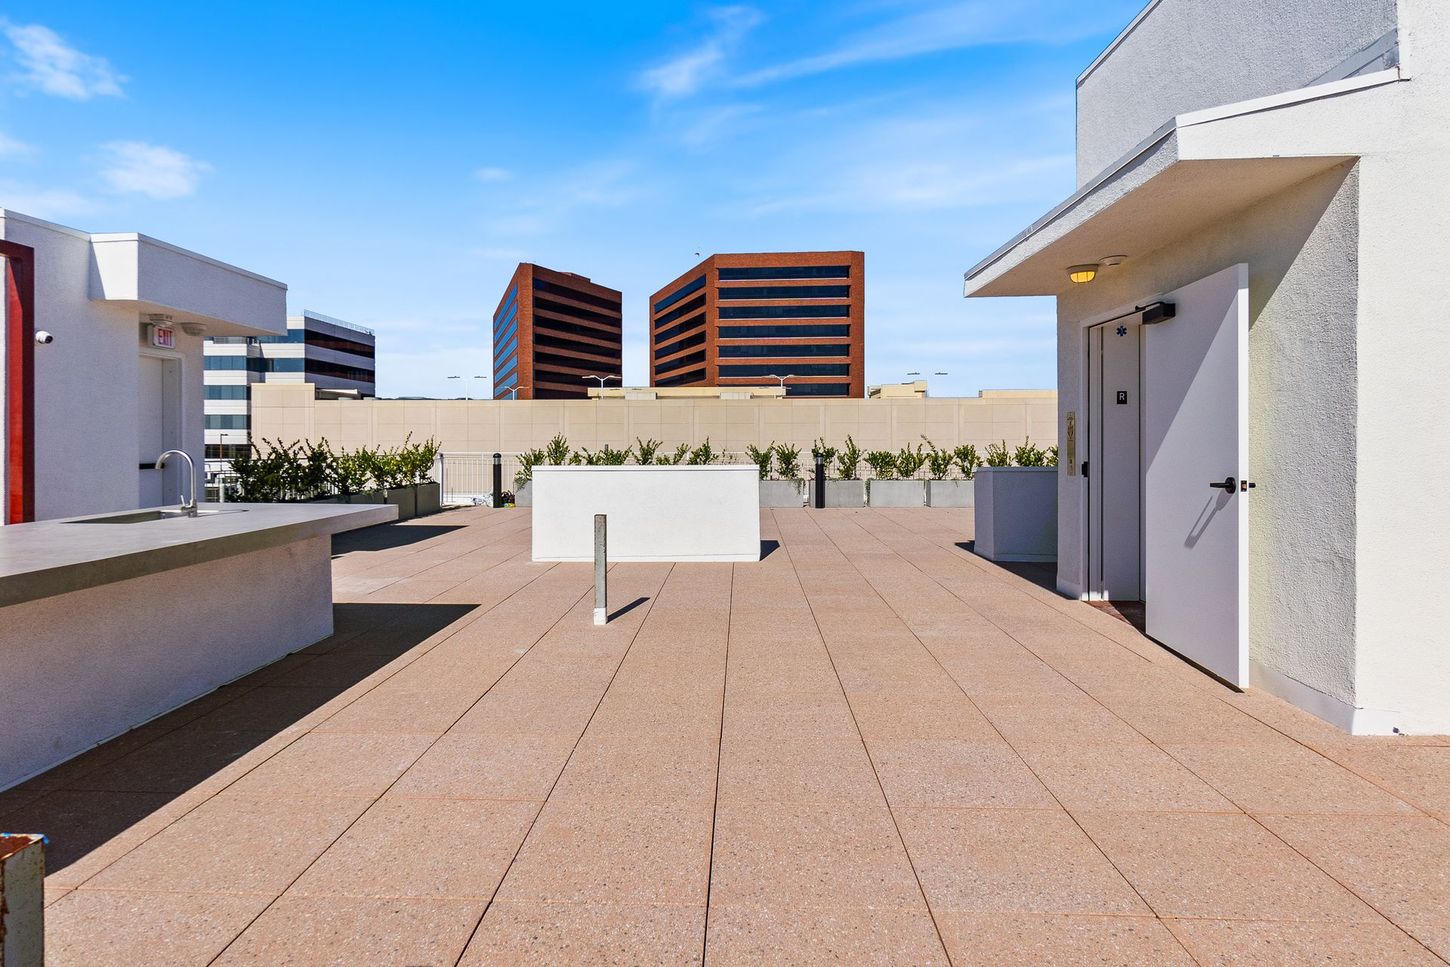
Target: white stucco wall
x,y
87,452
1300,249
1184,55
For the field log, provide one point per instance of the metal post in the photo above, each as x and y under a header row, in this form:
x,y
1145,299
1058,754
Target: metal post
x,y
601,570
820,500
497,480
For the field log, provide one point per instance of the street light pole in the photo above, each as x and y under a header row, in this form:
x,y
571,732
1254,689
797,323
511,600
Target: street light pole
x,y
601,380
466,393
782,379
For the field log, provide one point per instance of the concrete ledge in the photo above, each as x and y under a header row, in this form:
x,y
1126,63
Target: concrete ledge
x,y
657,513
54,557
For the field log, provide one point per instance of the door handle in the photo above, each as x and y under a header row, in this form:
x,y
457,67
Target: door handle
x,y
1227,485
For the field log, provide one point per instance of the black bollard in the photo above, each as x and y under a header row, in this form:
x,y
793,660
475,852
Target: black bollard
x,y
820,500
497,480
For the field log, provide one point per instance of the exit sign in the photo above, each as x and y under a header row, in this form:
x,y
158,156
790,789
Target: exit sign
x,y
163,337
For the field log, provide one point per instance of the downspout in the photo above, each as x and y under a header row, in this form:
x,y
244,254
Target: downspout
x,y
19,404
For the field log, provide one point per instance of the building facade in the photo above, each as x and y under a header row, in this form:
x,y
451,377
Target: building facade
x,y
103,363
1251,346
743,319
553,333
336,357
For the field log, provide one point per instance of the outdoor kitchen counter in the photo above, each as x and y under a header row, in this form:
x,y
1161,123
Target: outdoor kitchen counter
x,y
53,557
106,626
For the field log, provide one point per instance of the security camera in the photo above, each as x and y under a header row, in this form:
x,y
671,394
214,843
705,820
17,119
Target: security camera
x,y
43,338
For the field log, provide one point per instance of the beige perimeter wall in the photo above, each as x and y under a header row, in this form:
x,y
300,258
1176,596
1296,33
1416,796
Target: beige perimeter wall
x,y
286,413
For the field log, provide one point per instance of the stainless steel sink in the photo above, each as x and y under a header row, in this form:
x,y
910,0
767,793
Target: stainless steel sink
x,y
141,516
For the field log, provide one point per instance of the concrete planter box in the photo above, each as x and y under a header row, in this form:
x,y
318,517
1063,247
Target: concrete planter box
x,y
22,899
428,498
403,498
950,493
780,493
896,493
371,497
655,513
845,493
524,494
1016,513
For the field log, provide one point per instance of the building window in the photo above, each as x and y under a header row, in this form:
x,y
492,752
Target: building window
x,y
751,273
694,285
226,421
228,392
685,360
797,369
293,335
586,297
322,340
785,312
607,353
784,351
680,344
784,332
681,312
574,312
227,451
682,379
818,389
507,349
506,310
252,364
733,293
694,322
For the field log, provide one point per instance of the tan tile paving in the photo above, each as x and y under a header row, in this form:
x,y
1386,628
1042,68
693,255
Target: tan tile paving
x,y
870,747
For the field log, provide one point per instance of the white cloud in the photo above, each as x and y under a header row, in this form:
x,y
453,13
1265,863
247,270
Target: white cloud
x,y
687,73
11,148
48,203
151,170
50,65
546,206
490,175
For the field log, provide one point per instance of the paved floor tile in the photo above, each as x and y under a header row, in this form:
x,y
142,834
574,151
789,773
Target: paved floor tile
x,y
802,937
139,929
457,848
576,935
870,747
1047,940
344,931
1028,861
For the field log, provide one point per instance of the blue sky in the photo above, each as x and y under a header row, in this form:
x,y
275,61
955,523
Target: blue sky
x,y
391,165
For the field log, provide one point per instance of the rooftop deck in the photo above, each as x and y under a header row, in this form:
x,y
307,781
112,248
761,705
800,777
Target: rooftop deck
x,y
870,747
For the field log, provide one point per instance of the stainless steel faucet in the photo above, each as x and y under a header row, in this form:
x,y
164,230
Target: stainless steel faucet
x,y
187,505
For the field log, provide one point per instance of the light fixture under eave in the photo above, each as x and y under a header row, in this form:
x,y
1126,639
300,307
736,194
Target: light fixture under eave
x,y
1080,274
1111,261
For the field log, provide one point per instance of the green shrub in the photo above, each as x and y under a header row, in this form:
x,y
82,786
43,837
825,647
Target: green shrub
x,y
761,458
909,461
967,460
1051,457
607,456
998,455
528,460
671,459
556,451
827,454
938,461
882,463
702,454
1030,455
644,450
849,462
789,459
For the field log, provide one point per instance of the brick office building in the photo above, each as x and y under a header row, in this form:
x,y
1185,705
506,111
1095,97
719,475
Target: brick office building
x,y
551,331
747,319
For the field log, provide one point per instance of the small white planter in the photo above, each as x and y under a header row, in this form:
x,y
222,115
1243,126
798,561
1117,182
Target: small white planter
x,y
780,493
896,493
845,493
950,493
1016,513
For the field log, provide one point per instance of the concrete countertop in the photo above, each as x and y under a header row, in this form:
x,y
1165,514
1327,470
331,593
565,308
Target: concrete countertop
x,y
53,557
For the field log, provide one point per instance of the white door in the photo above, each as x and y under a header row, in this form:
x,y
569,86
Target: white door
x,y
1195,459
158,428
1115,549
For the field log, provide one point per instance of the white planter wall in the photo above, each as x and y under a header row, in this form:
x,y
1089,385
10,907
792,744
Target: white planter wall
x,y
1016,513
950,493
660,513
896,493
